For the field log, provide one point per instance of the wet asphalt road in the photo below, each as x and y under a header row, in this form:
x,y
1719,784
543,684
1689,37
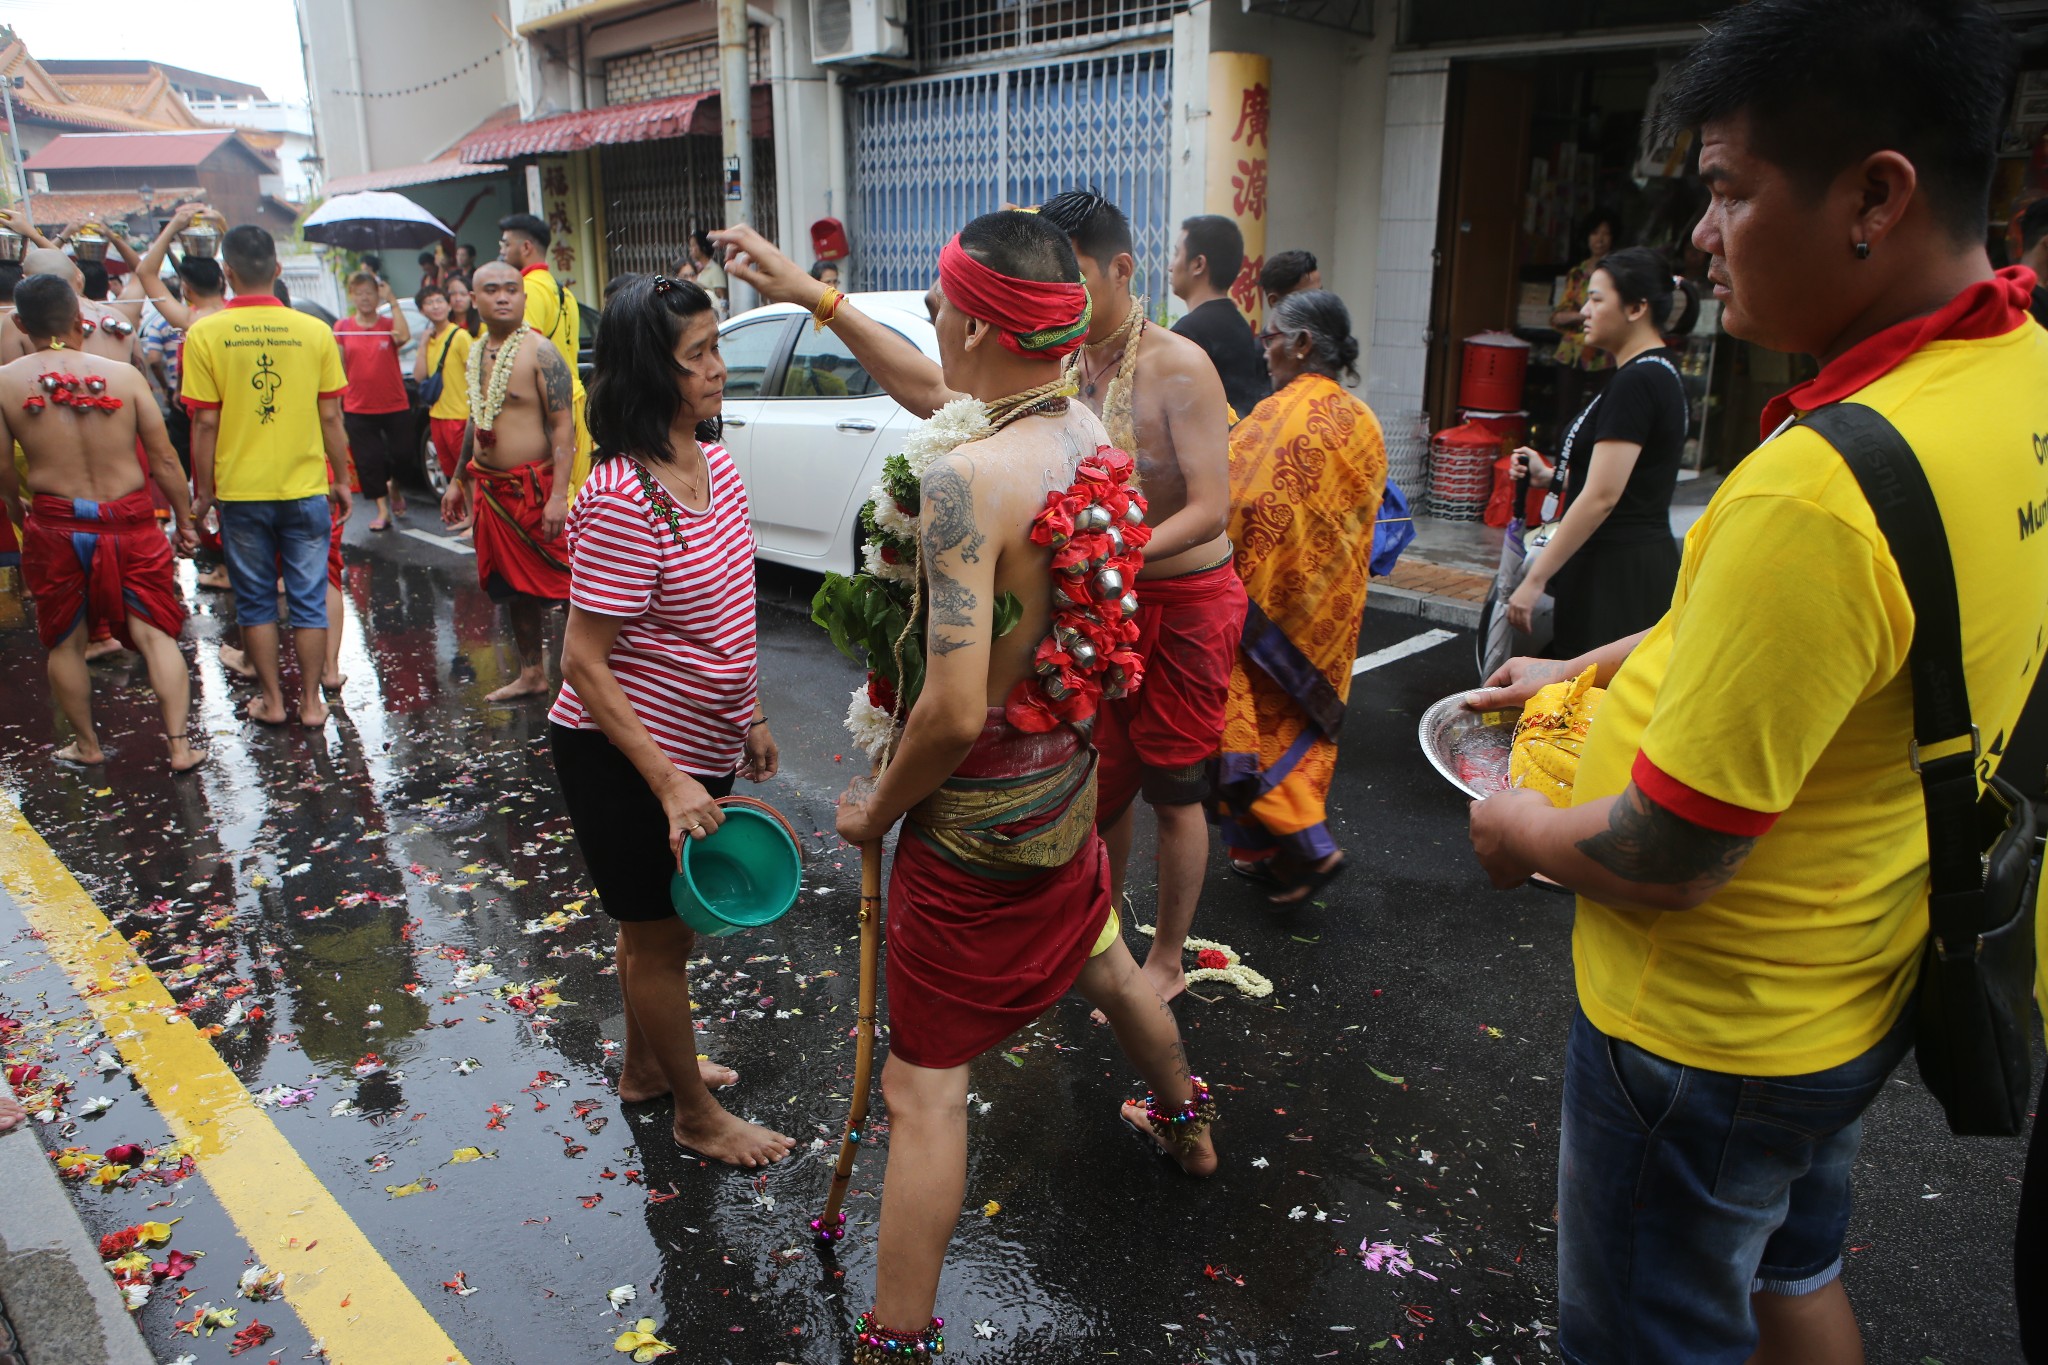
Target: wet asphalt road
x,y
382,893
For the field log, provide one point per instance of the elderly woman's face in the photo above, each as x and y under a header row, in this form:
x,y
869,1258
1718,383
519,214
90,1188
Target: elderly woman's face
x,y
1285,353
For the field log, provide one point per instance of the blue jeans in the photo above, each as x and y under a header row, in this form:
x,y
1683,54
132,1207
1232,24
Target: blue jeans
x,y
1681,1192
263,540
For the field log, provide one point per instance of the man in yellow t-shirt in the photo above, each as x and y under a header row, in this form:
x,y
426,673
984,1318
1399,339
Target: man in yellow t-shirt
x,y
265,383
552,311
1747,836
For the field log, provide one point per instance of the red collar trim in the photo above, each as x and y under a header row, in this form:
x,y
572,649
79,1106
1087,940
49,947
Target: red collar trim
x,y
255,301
1988,308
530,269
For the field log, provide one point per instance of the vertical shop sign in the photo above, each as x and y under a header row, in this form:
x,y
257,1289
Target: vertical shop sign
x,y
1240,101
558,210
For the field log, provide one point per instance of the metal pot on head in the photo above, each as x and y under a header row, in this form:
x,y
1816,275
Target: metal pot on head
x,y
201,240
89,246
13,246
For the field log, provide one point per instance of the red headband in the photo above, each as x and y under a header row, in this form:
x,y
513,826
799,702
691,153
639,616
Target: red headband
x,y
1031,318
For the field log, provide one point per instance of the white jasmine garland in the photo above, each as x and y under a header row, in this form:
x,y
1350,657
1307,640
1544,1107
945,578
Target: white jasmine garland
x,y
1237,974
872,728
891,518
873,563
486,403
952,426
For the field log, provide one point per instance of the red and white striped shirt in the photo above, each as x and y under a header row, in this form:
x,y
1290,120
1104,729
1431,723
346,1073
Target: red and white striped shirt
x,y
686,654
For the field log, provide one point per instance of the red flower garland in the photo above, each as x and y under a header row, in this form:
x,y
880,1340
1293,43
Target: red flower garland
x,y
1097,532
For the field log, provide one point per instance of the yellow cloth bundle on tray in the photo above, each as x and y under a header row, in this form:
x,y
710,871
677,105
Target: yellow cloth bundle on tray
x,y
1549,736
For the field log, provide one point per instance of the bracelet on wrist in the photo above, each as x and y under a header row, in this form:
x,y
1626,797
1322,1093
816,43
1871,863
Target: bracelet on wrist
x,y
758,720
827,307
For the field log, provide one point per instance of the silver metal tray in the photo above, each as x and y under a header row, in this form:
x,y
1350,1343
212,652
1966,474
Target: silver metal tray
x,y
1445,722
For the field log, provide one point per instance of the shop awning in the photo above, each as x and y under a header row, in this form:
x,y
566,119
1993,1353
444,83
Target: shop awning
x,y
647,121
401,177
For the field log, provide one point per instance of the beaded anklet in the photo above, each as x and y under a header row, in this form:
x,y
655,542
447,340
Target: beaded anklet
x,y
877,1345
1184,1125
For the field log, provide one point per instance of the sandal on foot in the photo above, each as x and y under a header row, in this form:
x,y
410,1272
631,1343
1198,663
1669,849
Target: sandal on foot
x,y
1315,880
380,524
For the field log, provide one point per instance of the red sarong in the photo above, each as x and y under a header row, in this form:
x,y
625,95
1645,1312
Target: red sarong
x,y
101,562
1160,739
999,890
447,437
509,534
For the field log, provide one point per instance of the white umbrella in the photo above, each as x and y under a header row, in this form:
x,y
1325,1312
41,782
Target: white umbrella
x,y
374,220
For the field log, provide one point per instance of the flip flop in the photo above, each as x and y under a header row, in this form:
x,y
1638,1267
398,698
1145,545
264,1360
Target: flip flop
x,y
380,525
1259,872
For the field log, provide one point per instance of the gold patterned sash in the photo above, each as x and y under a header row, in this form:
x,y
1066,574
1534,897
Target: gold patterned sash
x,y
973,820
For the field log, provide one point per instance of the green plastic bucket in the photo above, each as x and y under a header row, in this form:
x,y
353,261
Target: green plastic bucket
x,y
745,874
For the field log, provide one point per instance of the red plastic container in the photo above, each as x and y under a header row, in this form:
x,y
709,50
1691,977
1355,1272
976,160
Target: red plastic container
x,y
1511,427
1495,367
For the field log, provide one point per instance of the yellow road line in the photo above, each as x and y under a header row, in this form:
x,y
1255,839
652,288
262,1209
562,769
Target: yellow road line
x,y
346,1294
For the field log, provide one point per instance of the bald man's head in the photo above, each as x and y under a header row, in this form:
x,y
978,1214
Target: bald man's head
x,y
45,260
500,295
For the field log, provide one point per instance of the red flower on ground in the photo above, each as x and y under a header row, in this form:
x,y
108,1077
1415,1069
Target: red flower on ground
x,y
1212,958
115,1245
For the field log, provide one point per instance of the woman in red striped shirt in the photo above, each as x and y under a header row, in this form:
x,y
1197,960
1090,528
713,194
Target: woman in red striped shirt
x,y
660,705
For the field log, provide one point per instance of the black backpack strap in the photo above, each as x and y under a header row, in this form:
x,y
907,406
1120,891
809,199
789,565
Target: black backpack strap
x,y
1896,485
446,347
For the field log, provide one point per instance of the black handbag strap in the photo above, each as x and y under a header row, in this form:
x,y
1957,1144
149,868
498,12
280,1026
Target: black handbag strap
x,y
446,347
1899,495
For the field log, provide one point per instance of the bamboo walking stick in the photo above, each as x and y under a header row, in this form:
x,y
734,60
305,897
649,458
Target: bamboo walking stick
x,y
831,1226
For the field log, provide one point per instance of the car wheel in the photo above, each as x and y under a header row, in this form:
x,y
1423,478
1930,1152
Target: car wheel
x,y
430,465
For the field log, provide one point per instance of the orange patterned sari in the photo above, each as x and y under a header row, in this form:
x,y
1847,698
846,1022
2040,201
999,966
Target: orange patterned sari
x,y
1307,470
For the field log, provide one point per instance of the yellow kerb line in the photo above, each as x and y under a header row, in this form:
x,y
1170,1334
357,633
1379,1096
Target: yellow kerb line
x,y
348,1296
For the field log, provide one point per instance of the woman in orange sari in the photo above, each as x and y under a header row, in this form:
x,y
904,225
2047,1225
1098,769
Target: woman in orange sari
x,y
1307,470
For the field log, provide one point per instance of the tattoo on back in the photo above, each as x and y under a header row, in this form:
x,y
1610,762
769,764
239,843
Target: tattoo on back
x,y
556,389
1645,843
948,505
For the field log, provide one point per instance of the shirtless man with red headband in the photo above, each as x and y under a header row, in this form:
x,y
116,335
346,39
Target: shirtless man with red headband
x,y
999,896
92,552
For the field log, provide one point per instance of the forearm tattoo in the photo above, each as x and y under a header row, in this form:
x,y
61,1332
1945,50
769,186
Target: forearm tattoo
x,y
556,389
948,507
1645,843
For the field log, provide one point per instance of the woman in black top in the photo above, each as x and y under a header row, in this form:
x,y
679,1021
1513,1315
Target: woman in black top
x,y
1611,564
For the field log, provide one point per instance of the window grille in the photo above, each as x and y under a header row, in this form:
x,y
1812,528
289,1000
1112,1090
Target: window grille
x,y
934,153
949,32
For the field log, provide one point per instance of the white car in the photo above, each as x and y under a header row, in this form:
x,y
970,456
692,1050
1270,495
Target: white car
x,y
808,428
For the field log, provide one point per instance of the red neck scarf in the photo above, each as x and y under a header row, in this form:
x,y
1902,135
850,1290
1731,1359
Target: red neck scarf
x,y
1988,308
1031,318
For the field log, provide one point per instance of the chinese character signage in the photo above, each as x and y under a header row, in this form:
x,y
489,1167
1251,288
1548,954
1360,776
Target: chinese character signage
x,y
1240,93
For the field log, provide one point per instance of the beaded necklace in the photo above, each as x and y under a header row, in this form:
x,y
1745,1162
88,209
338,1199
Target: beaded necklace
x,y
659,498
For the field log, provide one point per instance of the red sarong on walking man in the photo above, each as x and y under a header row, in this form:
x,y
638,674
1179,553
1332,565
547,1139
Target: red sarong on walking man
x,y
999,892
509,534
101,561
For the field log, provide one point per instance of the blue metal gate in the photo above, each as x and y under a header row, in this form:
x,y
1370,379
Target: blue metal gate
x,y
930,154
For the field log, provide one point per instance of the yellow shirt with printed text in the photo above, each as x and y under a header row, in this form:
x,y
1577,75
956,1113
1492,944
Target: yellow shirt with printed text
x,y
1777,685
265,367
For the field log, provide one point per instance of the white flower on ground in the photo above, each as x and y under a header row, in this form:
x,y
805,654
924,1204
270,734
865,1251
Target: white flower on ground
x,y
622,1296
872,728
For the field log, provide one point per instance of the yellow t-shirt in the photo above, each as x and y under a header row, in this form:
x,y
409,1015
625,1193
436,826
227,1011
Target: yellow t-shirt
x,y
454,344
1777,686
266,367
555,316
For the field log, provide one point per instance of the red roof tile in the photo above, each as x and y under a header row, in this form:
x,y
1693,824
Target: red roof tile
x,y
139,151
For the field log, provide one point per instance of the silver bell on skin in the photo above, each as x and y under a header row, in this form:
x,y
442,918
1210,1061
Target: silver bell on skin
x,y
1109,584
1091,519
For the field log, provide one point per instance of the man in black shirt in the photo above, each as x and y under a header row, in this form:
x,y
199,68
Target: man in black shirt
x,y
2034,254
1206,260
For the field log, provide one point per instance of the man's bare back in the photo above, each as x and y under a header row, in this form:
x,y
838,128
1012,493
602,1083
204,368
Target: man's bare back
x,y
1178,416
77,454
1006,480
521,427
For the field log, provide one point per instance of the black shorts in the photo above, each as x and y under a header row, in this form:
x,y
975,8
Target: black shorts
x,y
619,823
379,441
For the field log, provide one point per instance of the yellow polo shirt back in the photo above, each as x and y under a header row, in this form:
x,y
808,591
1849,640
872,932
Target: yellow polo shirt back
x,y
265,367
1776,685
556,316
